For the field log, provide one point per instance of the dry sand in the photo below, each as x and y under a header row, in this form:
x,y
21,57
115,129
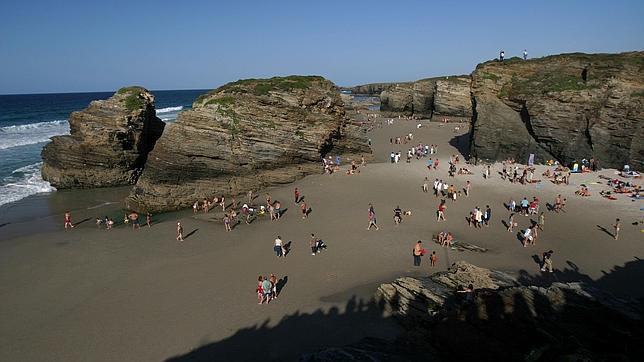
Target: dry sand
x,y
140,295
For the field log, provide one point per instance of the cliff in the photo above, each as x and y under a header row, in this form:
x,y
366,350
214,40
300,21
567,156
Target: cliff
x,y
371,89
244,136
443,96
565,107
108,143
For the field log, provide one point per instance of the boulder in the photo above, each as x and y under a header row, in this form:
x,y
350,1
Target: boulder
x,y
108,143
564,107
246,135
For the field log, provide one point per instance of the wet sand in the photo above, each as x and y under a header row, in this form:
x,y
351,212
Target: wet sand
x,y
139,295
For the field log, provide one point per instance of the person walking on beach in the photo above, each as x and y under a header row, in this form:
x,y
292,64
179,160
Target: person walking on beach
x,y
260,290
487,216
468,186
418,253
433,259
372,219
546,263
68,220
440,213
616,227
179,231
195,207
304,209
278,246
425,185
397,215
148,219
297,195
542,220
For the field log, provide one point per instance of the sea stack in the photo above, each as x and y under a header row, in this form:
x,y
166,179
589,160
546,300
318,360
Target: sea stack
x,y
108,144
244,136
565,107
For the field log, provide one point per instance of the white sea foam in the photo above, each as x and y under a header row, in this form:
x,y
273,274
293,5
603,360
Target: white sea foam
x,y
23,182
27,134
169,109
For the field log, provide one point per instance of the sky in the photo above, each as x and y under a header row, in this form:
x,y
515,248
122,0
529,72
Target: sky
x,y
78,46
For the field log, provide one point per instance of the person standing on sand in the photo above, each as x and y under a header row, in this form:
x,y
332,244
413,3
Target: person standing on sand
x,y
425,185
250,196
433,259
227,223
546,263
179,231
195,207
418,252
616,227
278,210
542,220
468,187
268,289
440,212
304,209
297,195
487,216
260,290
278,246
68,220
511,223
273,279
148,219
372,219
313,243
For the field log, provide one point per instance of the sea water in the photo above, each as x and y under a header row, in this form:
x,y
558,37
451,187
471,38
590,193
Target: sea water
x,y
28,121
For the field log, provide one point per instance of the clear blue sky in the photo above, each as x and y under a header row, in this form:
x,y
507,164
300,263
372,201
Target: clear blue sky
x,y
71,46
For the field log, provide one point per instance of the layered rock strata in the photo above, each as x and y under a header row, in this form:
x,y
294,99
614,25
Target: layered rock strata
x,y
108,143
244,136
564,107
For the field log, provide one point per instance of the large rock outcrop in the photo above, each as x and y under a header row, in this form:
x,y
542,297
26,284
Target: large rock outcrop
x,y
371,89
108,143
565,107
244,136
561,321
443,96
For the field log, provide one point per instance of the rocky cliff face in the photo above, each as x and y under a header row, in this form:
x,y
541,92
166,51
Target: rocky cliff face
x,y
446,96
244,136
565,107
372,89
108,144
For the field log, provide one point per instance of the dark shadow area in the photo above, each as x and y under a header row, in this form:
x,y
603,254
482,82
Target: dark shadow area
x,y
4,224
190,234
507,324
279,286
299,200
82,221
505,224
462,144
605,230
287,249
309,211
283,211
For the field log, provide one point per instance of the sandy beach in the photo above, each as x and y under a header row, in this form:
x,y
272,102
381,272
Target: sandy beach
x,y
128,294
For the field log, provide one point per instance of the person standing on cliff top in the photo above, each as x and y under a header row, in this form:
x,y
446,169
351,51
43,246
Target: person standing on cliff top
x,y
501,56
525,54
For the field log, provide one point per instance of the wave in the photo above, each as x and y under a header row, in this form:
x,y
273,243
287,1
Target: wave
x,y
27,134
23,182
169,109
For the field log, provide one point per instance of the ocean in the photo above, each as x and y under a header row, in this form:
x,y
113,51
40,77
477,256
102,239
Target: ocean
x,y
27,121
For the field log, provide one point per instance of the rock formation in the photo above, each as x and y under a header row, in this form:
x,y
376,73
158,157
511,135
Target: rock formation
x,y
564,107
371,89
108,144
244,136
504,319
443,96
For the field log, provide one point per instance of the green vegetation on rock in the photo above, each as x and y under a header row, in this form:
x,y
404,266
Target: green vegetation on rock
x,y
260,87
133,102
490,76
638,94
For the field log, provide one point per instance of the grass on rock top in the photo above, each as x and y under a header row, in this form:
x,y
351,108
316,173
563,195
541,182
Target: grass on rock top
x,y
132,101
261,87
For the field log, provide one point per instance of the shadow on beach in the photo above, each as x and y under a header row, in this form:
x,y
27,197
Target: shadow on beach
x,y
518,326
